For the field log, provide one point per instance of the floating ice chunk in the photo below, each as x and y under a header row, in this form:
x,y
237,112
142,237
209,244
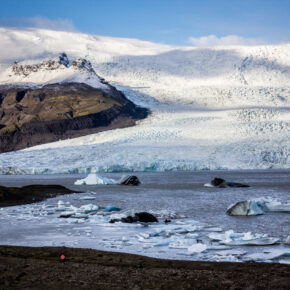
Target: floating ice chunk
x,y
67,214
218,247
287,241
111,208
88,208
181,243
277,206
87,198
166,214
231,252
245,208
216,236
208,185
93,179
197,248
257,206
212,229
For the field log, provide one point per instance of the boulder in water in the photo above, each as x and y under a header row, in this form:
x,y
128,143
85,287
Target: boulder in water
x,y
143,217
221,183
130,180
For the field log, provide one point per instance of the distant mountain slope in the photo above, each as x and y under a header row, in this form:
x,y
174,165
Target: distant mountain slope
x,y
32,113
212,108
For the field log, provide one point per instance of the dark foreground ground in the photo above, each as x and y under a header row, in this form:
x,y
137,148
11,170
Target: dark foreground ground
x,y
41,268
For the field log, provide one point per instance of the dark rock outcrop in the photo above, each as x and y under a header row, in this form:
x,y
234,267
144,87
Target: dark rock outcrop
x,y
143,217
10,196
221,183
55,112
130,180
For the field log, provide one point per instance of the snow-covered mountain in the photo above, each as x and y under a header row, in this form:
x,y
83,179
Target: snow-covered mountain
x,y
212,108
50,71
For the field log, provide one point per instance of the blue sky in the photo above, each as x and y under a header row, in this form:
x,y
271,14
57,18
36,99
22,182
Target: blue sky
x,y
178,22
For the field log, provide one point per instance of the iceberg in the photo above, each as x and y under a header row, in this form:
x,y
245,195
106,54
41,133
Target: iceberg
x,y
245,208
93,179
257,206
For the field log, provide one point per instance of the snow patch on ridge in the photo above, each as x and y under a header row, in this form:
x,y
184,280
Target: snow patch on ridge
x,y
50,71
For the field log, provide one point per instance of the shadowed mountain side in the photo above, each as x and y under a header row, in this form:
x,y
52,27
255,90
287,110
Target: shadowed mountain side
x,y
31,117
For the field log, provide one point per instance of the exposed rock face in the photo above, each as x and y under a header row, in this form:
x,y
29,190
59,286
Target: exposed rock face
x,y
32,116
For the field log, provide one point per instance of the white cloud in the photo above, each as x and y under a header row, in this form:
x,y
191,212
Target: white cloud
x,y
213,40
40,22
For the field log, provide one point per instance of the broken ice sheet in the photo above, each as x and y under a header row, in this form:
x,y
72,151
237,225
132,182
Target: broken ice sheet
x,y
269,255
231,252
197,248
239,239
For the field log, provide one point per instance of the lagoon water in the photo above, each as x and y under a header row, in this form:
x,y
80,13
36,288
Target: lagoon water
x,y
180,192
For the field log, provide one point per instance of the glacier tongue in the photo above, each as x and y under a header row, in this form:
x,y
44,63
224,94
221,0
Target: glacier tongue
x,y
217,108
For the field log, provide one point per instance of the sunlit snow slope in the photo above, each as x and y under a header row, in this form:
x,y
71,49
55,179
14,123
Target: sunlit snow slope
x,y
212,108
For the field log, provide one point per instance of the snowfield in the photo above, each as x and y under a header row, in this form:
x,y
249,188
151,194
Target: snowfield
x,y
212,108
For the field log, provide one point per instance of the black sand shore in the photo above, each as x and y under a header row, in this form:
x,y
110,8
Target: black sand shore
x,y
42,268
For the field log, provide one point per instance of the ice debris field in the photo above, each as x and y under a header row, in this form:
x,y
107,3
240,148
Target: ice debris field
x,y
59,223
211,108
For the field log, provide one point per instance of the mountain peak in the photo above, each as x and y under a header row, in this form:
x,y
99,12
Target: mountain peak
x,y
53,70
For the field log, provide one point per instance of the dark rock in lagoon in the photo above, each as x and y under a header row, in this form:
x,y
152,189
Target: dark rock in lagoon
x,y
143,217
235,184
130,180
10,196
221,183
218,182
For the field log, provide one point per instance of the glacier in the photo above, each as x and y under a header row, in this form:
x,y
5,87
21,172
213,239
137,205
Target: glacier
x,y
211,108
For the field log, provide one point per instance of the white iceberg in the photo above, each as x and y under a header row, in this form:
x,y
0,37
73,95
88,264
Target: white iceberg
x,y
93,179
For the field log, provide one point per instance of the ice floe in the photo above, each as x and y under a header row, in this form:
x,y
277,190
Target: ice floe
x,y
269,255
238,239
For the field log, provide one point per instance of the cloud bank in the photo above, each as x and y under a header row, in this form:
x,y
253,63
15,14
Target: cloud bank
x,y
40,22
213,40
